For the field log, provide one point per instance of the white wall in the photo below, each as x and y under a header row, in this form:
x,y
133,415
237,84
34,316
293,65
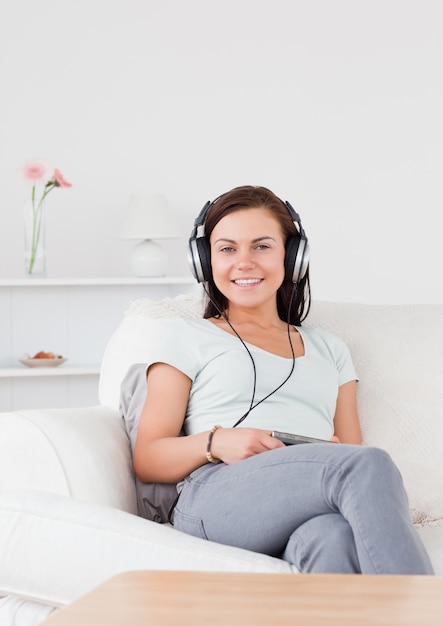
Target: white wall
x,y
336,105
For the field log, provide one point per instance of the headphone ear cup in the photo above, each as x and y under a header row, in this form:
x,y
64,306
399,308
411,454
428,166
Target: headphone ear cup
x,y
199,258
204,253
296,258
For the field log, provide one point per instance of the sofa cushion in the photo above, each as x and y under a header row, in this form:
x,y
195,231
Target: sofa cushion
x,y
54,549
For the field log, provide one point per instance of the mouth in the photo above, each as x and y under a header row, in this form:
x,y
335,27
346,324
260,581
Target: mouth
x,y
247,282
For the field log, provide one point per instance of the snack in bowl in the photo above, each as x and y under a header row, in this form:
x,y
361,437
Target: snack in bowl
x,y
46,355
42,359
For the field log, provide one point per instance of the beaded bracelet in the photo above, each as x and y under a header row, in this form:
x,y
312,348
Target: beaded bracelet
x,y
209,456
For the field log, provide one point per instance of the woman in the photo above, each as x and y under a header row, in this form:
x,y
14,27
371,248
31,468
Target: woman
x,y
249,368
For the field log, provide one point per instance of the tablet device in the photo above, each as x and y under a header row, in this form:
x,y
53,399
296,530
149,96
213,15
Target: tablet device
x,y
290,439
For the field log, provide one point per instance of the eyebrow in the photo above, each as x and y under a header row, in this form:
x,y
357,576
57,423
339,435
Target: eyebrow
x,y
256,240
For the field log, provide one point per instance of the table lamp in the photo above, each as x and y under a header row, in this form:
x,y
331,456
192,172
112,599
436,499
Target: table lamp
x,y
149,218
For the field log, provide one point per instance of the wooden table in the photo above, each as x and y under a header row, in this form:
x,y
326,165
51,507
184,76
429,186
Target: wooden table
x,y
154,598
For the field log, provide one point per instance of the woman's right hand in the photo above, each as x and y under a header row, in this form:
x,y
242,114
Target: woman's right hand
x,y
236,444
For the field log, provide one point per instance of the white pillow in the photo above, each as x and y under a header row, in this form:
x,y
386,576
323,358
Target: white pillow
x,y
132,340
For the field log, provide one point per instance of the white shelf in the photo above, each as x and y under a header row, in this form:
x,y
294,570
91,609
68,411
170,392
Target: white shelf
x,y
71,316
88,282
61,370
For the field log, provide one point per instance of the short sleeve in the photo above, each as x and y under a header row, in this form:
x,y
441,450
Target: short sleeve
x,y
176,346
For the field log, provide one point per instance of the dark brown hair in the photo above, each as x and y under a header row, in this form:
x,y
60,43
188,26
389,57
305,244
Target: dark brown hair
x,y
250,197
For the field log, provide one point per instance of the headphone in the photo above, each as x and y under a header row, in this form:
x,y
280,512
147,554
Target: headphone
x,y
199,251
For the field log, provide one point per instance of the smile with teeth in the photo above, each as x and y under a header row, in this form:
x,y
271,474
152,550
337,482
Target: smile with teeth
x,y
245,282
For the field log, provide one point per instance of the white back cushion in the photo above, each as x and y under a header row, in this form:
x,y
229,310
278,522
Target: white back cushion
x,y
398,353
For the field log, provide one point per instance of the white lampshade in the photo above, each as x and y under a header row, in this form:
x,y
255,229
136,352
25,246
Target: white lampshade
x,y
149,218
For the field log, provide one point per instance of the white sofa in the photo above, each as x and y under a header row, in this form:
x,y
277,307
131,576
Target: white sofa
x,y
67,495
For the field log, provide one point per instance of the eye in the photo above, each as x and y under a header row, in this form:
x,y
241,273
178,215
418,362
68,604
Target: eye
x,y
262,246
227,249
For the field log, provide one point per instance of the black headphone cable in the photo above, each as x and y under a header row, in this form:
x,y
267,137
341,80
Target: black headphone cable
x,y
251,404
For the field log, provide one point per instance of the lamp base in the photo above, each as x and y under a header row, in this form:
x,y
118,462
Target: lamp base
x,y
149,259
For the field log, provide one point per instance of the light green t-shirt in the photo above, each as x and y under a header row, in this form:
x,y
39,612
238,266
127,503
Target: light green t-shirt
x,y
222,378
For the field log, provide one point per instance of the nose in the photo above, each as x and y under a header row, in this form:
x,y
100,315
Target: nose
x,y
244,259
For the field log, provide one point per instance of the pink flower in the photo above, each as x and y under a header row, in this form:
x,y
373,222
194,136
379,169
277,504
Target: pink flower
x,y
58,179
37,171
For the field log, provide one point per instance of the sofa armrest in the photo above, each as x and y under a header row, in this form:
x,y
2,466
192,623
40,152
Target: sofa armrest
x,y
81,453
55,549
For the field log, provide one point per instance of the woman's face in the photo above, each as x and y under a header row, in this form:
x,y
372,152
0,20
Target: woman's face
x,y
247,257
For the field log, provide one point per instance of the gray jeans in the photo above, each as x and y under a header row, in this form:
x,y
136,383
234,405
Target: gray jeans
x,y
323,507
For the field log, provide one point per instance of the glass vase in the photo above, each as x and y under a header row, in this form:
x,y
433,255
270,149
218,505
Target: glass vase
x,y
35,249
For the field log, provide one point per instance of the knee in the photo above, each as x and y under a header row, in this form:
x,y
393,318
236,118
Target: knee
x,y
377,456
378,464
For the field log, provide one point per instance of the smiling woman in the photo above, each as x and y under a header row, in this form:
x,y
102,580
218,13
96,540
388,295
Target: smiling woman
x,y
250,368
